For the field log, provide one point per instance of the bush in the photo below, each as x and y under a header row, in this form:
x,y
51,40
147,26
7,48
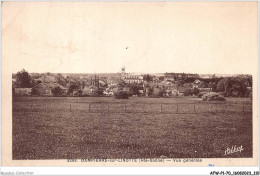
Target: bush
x,y
34,92
57,92
121,95
191,92
196,91
201,94
213,96
154,96
162,93
223,94
187,93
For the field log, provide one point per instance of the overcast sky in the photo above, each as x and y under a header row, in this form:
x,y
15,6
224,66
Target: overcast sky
x,y
155,37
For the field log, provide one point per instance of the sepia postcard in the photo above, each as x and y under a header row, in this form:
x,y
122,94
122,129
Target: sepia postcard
x,y
129,84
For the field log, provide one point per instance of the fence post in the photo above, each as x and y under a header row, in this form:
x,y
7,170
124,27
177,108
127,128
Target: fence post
x,y
243,109
161,108
125,107
107,107
177,109
89,107
143,108
70,107
194,109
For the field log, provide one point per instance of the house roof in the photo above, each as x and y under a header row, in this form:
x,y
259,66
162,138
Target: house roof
x,y
132,78
196,81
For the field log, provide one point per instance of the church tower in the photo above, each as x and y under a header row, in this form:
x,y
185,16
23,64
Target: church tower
x,y
123,74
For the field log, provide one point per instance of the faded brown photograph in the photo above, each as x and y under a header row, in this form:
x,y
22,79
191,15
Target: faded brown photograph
x,y
122,80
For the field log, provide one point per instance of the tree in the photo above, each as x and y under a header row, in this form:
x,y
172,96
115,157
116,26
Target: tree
x,y
34,91
72,87
161,78
61,80
233,86
23,79
149,91
38,82
196,91
121,95
213,86
80,92
147,78
202,84
83,84
134,89
121,83
238,86
57,91
99,92
162,93
210,84
222,85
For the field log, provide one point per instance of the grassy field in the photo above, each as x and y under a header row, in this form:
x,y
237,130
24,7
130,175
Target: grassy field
x,y
61,128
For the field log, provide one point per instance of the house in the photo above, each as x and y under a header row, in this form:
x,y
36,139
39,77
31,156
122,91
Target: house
x,y
163,85
204,90
178,76
184,88
45,89
182,91
111,90
156,84
170,85
22,91
205,76
196,83
131,77
169,78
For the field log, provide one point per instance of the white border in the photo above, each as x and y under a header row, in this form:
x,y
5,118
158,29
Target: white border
x,y
127,170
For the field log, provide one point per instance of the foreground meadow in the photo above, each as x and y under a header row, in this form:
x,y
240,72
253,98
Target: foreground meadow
x,y
62,128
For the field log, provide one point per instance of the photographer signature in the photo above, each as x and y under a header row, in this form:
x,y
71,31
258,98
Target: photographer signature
x,y
233,149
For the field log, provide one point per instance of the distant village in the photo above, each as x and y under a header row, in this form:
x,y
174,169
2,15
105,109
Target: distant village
x,y
134,84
